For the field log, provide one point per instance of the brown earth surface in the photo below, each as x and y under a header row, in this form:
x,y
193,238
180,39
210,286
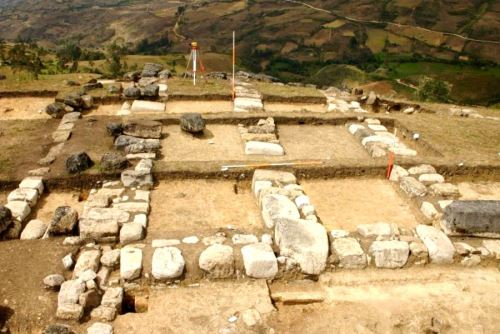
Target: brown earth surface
x,y
347,203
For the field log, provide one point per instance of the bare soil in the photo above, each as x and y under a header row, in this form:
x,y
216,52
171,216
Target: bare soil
x,y
23,143
188,206
455,300
202,309
222,142
323,142
49,202
347,203
24,302
24,108
479,190
202,107
289,107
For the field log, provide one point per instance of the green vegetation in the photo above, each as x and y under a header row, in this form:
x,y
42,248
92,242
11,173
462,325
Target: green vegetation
x,y
433,90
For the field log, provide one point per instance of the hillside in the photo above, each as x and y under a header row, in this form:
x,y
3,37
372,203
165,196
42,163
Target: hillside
x,y
332,32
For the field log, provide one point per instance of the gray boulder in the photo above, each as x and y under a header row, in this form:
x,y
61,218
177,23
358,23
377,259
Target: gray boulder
x,y
56,110
114,128
74,100
192,123
136,145
132,76
64,221
165,74
113,161
58,329
78,163
132,93
87,101
151,91
472,218
151,70
5,218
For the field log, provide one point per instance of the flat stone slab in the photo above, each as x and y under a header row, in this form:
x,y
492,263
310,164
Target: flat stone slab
x,y
412,187
349,253
20,210
243,104
428,179
259,261
474,218
130,263
24,195
168,263
88,259
277,206
440,247
263,148
143,129
380,231
35,229
277,177
446,190
390,254
305,242
32,182
101,231
147,107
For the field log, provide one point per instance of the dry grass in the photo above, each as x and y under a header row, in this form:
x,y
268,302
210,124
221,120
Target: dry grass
x,y
286,91
184,86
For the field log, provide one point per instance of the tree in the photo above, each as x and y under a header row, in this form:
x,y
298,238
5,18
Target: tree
x,y
23,57
68,52
114,55
433,90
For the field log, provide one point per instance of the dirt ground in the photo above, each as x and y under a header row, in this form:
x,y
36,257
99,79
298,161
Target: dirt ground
x,y
324,142
455,300
195,205
414,300
479,190
224,143
23,143
24,302
346,203
174,107
289,107
49,202
24,108
202,309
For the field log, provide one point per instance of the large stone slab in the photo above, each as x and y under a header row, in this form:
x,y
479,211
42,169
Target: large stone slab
x,y
259,261
168,263
143,129
217,261
277,177
304,241
390,254
412,187
133,178
147,107
20,210
277,206
106,214
130,263
263,148
349,253
35,229
475,218
24,195
33,182
88,259
440,247
243,104
101,231
380,231
446,190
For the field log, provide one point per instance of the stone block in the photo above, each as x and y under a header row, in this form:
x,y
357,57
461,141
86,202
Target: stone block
x,y
168,263
263,148
474,218
259,261
390,254
130,263
441,249
348,253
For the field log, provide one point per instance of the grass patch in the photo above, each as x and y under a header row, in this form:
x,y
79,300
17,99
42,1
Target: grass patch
x,y
286,91
335,24
376,40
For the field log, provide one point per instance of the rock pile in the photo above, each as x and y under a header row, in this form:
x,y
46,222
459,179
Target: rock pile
x,y
19,205
73,102
247,98
341,101
261,139
377,140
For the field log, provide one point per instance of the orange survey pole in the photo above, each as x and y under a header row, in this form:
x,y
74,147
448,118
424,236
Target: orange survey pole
x,y
390,165
234,63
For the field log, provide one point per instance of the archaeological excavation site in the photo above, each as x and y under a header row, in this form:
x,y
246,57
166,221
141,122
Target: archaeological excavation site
x,y
149,205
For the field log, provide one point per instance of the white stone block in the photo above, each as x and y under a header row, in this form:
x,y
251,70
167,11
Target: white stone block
x,y
168,263
441,249
390,254
130,263
33,182
259,261
24,195
139,106
20,210
263,148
